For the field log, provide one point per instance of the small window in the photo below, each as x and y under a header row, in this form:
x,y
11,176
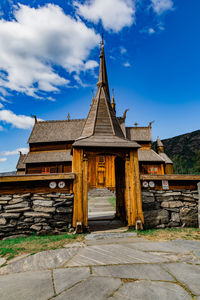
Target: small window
x,y
46,170
153,170
53,170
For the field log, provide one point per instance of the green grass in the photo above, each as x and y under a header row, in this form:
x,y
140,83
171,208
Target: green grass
x,y
112,201
12,247
170,233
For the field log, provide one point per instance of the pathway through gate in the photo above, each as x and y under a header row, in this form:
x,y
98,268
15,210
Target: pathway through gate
x,y
102,211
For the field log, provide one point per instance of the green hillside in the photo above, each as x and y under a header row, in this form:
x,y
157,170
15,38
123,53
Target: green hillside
x,y
184,150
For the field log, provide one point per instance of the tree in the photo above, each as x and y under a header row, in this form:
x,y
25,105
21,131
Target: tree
x,y
180,165
196,166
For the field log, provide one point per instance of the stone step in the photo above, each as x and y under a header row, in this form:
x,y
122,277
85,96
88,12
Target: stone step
x,y
110,235
99,202
100,192
101,211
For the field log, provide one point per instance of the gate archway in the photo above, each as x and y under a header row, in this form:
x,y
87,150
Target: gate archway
x,y
129,202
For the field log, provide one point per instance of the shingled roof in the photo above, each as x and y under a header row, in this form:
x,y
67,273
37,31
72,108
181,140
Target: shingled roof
x,y
165,158
102,128
48,156
159,143
148,155
139,134
56,131
21,164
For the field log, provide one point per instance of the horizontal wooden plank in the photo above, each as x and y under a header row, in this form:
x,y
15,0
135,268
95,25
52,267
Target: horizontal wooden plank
x,y
37,177
171,177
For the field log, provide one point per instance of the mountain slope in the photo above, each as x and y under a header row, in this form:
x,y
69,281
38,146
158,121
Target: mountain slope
x,y
184,150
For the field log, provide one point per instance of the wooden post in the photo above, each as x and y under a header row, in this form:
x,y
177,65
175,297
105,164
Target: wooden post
x,y
127,191
139,214
77,163
133,197
85,191
80,168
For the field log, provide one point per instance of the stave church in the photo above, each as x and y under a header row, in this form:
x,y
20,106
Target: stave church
x,y
104,138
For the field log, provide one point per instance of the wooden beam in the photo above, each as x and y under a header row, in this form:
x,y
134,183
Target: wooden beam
x,y
36,177
171,177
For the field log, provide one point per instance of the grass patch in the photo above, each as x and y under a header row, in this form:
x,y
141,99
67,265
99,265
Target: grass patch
x,y
13,247
112,201
169,234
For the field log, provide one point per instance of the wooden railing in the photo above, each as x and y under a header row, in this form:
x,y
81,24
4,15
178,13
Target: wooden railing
x,y
37,183
175,181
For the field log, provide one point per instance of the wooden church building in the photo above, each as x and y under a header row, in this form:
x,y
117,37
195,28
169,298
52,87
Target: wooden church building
x,y
100,150
51,142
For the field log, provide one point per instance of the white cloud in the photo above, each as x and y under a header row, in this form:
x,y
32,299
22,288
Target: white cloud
x,y
16,151
18,121
151,31
3,159
114,14
127,64
161,6
123,50
38,39
1,128
90,64
1,105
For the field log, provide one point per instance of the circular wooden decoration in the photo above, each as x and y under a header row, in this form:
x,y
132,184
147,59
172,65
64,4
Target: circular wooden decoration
x,y
61,184
152,184
52,184
145,184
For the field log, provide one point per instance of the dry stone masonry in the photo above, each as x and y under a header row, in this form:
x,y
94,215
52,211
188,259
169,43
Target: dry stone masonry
x,y
170,208
40,213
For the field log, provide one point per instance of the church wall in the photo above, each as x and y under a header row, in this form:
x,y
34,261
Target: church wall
x,y
50,146
169,169
144,145
38,168
151,168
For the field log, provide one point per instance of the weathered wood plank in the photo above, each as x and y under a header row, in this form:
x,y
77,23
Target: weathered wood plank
x,y
171,177
36,177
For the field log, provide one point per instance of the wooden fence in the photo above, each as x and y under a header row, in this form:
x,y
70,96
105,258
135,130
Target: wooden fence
x,y
41,183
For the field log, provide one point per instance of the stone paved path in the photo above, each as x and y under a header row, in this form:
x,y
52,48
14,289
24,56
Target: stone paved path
x,y
98,204
111,266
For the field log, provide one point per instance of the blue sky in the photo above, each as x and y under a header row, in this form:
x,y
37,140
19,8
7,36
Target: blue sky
x,y
49,55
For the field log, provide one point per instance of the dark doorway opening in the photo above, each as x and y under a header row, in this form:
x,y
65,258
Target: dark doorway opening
x,y
120,188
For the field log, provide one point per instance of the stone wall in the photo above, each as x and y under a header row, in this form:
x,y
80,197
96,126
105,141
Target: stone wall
x,y
170,208
40,213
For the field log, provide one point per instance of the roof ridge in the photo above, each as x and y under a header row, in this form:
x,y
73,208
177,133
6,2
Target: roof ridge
x,y
138,127
57,121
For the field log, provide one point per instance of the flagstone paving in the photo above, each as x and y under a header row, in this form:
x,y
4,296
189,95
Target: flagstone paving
x,y
106,266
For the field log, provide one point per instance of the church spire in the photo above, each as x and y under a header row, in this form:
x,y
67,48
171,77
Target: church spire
x,y
102,128
159,146
103,79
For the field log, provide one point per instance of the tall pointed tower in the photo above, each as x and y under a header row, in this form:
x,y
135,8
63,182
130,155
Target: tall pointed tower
x,y
104,158
102,128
